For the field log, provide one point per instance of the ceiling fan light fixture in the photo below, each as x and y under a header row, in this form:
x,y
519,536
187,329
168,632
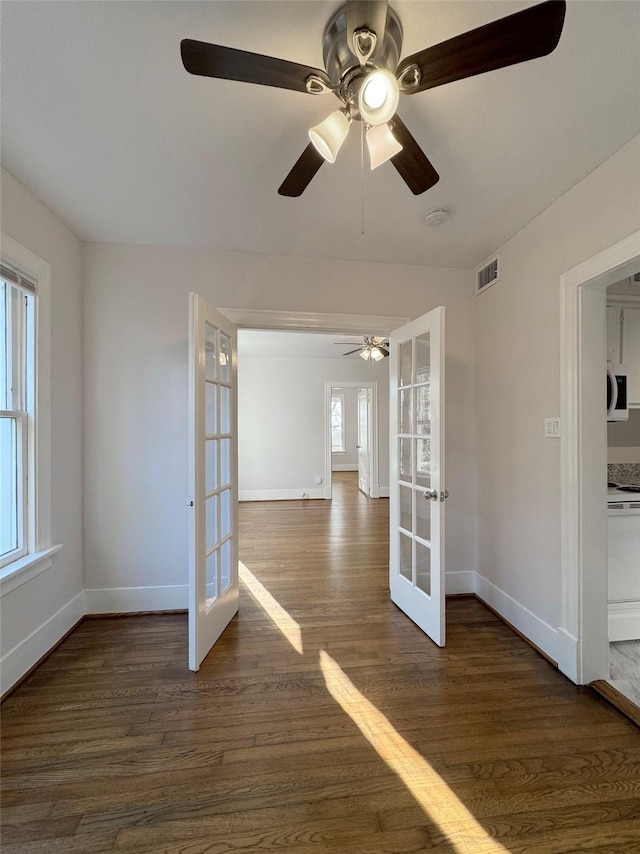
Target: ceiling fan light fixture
x,y
364,354
382,145
328,136
376,354
378,97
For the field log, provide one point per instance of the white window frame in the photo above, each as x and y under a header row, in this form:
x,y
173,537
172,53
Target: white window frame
x,y
343,429
37,448
20,358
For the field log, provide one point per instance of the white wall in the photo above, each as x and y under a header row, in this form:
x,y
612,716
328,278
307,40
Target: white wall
x,y
135,358
282,422
624,434
348,461
517,384
37,613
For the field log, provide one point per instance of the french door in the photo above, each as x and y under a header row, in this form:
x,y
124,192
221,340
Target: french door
x,y
417,487
213,477
363,448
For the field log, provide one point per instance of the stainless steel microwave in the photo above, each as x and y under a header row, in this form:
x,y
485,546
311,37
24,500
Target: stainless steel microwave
x,y
617,402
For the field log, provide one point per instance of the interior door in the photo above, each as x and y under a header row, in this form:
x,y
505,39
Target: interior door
x,y
364,474
417,487
213,477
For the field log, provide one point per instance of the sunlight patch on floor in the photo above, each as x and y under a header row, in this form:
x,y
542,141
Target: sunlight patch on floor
x,y
285,624
441,805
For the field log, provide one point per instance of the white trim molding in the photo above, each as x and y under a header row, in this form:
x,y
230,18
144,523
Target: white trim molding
x,y
280,494
583,651
365,324
25,568
459,581
624,621
541,634
19,660
127,600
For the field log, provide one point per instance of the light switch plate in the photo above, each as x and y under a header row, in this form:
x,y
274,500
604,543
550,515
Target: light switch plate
x,y
552,428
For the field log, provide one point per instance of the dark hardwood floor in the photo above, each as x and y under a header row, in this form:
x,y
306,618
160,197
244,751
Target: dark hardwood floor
x,y
341,729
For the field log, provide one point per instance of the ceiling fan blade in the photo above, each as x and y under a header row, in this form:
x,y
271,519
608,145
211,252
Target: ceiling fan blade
x,y
527,34
302,172
412,163
357,350
369,14
213,60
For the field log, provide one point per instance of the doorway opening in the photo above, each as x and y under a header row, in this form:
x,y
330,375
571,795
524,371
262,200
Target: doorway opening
x,y
283,434
356,404
583,643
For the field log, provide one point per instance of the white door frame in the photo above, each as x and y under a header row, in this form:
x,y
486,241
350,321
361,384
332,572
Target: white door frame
x,y
374,482
307,321
583,646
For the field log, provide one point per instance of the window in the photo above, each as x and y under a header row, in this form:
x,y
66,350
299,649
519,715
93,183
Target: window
x,y
338,441
17,405
25,416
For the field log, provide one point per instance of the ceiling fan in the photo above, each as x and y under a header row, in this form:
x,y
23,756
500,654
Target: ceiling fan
x,y
371,348
361,51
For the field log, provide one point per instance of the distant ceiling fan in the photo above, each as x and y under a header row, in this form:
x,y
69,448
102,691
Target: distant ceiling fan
x,y
371,348
361,51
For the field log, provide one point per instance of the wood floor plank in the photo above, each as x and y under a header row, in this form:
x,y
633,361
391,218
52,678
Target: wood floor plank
x,y
112,744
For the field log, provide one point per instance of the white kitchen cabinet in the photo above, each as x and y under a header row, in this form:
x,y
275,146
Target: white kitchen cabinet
x,y
614,331
631,352
623,345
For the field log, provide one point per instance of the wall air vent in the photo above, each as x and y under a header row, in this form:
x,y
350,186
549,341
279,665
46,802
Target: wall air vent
x,y
488,274
635,279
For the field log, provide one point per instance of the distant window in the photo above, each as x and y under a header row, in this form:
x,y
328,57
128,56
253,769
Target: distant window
x,y
338,441
17,412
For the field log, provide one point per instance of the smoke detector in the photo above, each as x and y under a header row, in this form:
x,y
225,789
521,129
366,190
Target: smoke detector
x,y
436,217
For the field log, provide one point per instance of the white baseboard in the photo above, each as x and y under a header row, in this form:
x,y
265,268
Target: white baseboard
x,y
532,627
459,582
384,491
567,655
279,494
624,621
19,660
125,600
344,466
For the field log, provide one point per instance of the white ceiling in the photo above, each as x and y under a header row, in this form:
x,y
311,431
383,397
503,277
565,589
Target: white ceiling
x,y
101,122
298,345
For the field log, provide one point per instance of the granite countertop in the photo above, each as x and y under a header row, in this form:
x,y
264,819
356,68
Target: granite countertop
x,y
624,473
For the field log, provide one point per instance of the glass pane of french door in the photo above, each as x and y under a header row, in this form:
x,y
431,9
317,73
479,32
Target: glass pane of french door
x,y
415,474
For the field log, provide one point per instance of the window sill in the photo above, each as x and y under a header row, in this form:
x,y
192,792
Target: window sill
x,y
25,568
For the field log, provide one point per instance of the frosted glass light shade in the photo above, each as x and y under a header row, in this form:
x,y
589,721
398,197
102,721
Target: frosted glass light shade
x,y
364,354
329,135
378,98
382,145
376,354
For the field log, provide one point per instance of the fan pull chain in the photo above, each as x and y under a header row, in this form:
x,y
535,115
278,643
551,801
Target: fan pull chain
x,y
362,173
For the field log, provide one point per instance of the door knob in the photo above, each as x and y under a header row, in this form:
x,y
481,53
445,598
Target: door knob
x,y
431,494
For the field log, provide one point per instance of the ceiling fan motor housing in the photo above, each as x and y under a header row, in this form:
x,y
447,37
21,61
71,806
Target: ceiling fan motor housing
x,y
343,66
